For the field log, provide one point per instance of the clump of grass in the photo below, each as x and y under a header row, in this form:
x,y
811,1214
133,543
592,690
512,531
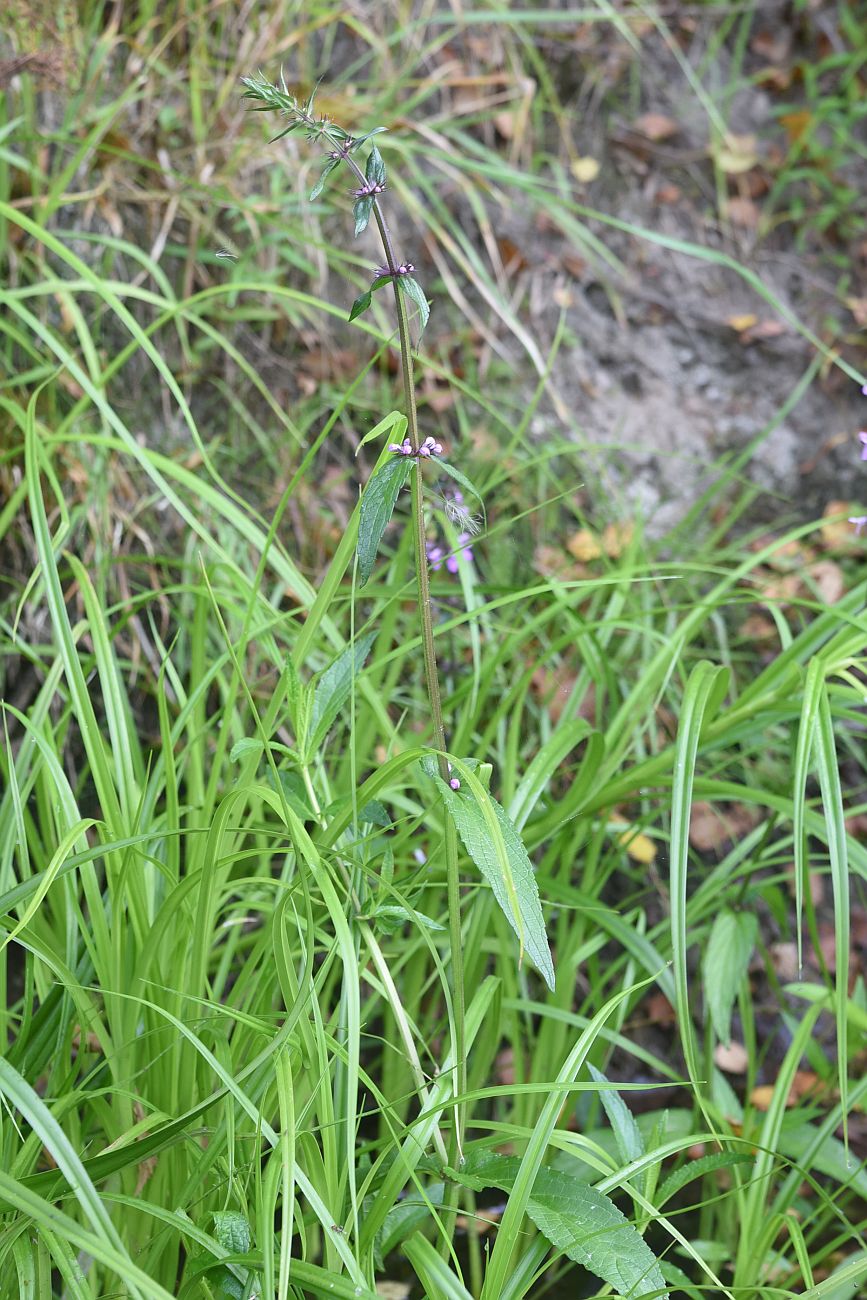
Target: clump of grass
x,y
232,945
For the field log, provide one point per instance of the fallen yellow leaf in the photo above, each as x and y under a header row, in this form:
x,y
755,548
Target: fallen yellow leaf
x,y
585,169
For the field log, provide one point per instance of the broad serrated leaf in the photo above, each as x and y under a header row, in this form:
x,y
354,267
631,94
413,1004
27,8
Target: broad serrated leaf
x,y
326,172
375,813
626,1132
405,1217
726,959
295,792
232,1231
243,749
415,293
581,1221
291,683
361,304
361,211
333,688
693,1169
377,506
497,849
375,170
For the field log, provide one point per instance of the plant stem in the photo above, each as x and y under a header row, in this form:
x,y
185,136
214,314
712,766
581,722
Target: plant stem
x,y
433,689
430,665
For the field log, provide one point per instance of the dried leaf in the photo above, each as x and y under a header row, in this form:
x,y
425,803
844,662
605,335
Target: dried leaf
x,y
743,212
585,169
584,546
737,154
708,830
733,1058
858,308
796,124
838,535
829,580
639,847
764,329
743,322
656,126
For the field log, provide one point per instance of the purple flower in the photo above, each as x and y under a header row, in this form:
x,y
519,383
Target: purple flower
x,y
863,437
367,189
859,521
405,268
437,555
864,389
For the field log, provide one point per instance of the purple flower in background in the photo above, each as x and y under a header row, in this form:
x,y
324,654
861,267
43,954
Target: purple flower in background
x,y
437,555
859,521
863,437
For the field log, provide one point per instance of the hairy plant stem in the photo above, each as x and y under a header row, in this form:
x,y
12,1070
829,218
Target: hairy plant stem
x,y
430,663
431,673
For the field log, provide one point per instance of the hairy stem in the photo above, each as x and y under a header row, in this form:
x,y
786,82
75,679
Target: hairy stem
x,y
430,660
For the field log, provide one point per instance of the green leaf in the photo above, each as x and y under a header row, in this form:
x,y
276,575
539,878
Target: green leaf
x,y
295,793
375,170
377,506
393,421
392,917
629,1141
361,210
363,301
333,688
462,479
579,1220
415,292
232,1231
726,959
326,172
241,748
694,1169
407,1215
433,1272
362,139
361,304
496,848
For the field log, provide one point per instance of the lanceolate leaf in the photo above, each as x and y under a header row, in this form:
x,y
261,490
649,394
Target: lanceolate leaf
x,y
377,506
415,292
363,301
626,1132
333,687
362,139
497,849
581,1221
375,170
361,211
326,172
726,959
462,479
361,304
